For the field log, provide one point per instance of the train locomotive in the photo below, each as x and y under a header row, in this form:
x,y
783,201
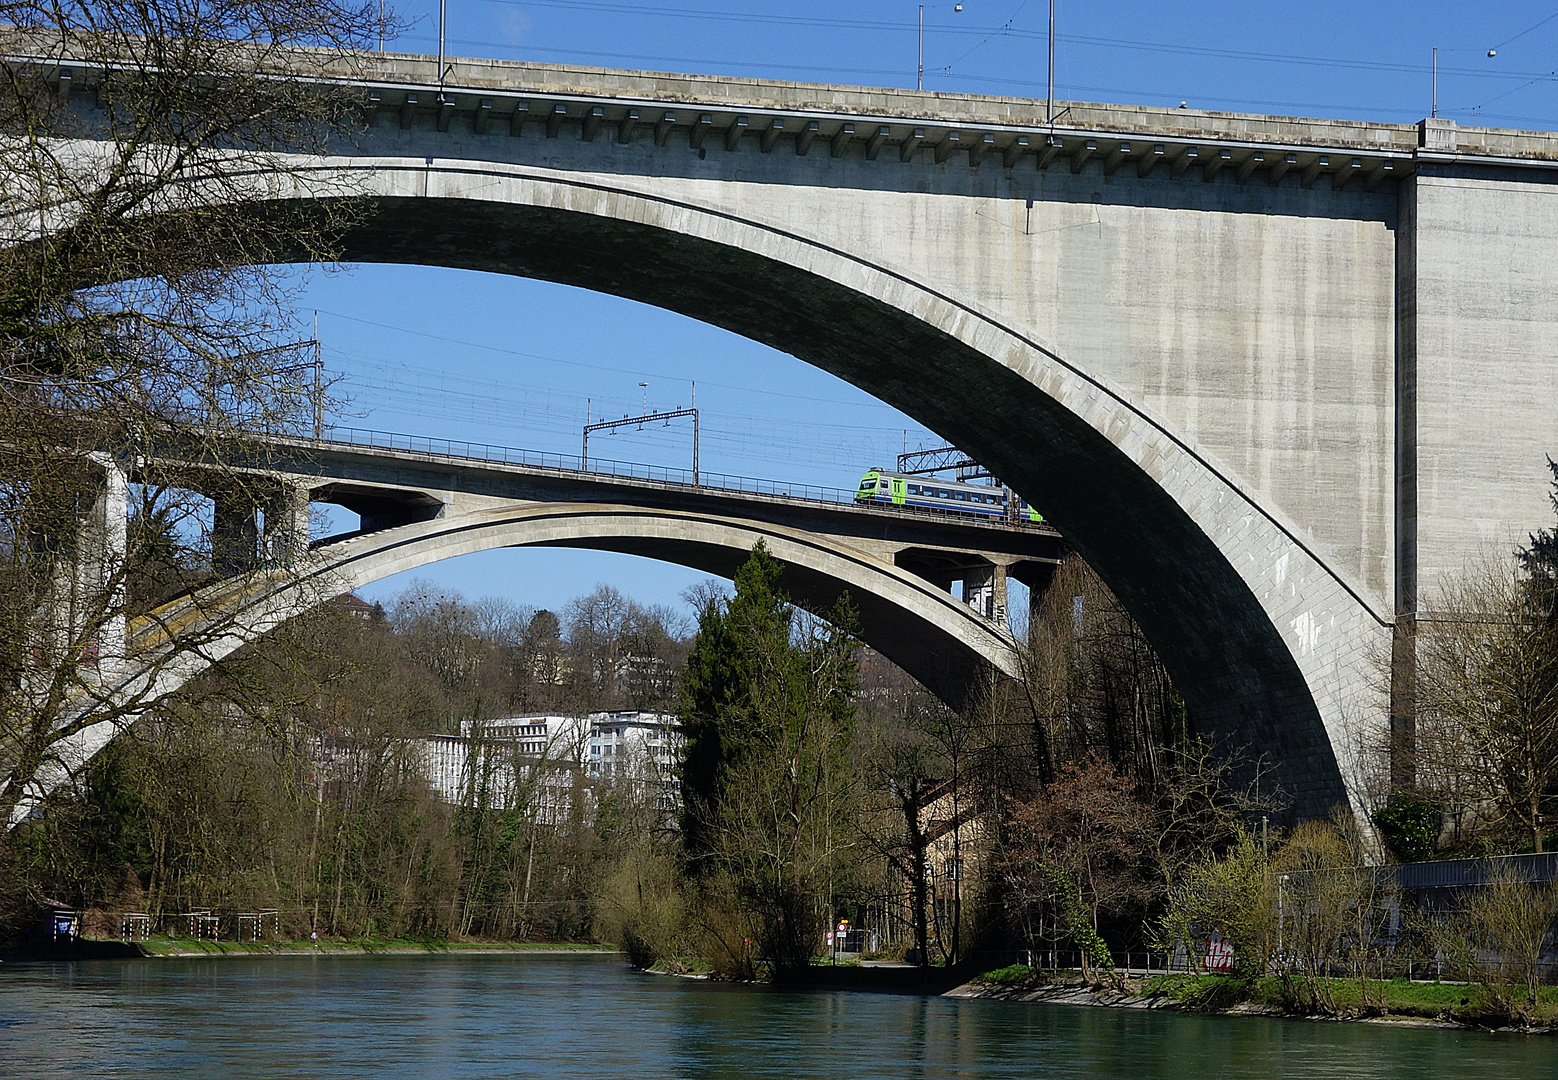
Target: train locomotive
x,y
933,493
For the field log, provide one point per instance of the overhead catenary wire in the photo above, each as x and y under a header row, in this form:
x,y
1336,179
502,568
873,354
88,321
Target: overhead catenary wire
x,y
636,372
1006,30
1033,86
985,33
1523,33
385,393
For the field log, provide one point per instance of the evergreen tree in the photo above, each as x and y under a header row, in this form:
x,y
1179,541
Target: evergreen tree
x,y
767,709
1540,563
738,638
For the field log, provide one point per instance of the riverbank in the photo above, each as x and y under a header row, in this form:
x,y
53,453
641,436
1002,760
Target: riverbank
x,y
1396,1001
183,947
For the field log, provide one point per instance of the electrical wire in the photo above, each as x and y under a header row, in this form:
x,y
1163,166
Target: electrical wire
x,y
635,372
1524,32
1070,89
1005,30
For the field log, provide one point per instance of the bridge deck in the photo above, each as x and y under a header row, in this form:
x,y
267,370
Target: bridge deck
x,y
533,99
514,98
629,476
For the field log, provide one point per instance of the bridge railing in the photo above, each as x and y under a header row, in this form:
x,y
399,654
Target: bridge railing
x,y
632,470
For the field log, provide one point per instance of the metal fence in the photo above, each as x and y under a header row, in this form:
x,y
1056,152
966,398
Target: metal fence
x,y
1395,965
1466,873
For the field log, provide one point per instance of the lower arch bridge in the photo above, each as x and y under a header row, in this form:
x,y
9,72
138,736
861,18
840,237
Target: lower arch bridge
x,y
422,507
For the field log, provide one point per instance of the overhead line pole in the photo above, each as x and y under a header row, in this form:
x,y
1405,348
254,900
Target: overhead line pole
x,y
629,421
919,80
1049,107
443,6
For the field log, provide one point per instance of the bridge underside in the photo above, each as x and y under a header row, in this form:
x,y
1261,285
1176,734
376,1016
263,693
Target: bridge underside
x,y
946,666
942,642
1238,676
936,638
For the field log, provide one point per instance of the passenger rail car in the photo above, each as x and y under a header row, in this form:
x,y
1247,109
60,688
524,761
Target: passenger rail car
x,y
933,493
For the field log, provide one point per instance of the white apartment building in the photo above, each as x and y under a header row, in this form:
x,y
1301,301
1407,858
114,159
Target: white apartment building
x,y
497,759
638,748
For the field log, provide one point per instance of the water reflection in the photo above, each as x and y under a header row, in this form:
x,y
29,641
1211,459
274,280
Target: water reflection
x,y
575,1016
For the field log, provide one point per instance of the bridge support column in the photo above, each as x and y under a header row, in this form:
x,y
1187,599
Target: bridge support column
x,y
83,620
108,527
286,525
984,590
103,553
240,544
235,533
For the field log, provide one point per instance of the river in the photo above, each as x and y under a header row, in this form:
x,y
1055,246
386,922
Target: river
x,y
589,1016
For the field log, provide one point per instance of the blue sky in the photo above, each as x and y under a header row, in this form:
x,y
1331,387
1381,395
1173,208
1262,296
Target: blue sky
x,y
514,362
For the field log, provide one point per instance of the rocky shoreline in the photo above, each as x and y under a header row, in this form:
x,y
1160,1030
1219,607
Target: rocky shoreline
x,y
1129,998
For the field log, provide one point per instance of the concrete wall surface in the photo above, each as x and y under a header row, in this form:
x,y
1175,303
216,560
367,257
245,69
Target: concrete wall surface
x,y
1485,359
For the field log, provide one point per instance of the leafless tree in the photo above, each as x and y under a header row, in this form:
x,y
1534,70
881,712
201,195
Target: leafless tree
x,y
140,326
1487,704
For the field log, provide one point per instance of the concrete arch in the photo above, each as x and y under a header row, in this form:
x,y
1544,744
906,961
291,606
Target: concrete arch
x,y
941,641
935,637
1271,645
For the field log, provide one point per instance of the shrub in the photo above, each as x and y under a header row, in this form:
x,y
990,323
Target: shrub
x,y
1409,825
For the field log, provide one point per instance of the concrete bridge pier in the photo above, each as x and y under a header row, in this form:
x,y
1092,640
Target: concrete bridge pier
x,y
285,533
258,525
235,532
109,526
84,612
983,577
984,590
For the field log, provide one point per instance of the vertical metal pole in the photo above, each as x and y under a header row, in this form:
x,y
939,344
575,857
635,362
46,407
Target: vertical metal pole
x,y
1049,107
694,434
319,383
919,81
1435,111
443,6
381,25
319,391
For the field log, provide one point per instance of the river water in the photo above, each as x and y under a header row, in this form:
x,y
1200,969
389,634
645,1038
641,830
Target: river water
x,y
584,1015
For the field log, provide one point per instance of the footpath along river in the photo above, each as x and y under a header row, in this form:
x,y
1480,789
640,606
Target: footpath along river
x,y
589,1016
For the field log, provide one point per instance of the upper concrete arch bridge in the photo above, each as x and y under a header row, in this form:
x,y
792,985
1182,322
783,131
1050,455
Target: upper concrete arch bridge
x,y
1271,377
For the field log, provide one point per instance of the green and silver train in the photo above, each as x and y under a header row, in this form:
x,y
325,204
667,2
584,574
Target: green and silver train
x,y
934,493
